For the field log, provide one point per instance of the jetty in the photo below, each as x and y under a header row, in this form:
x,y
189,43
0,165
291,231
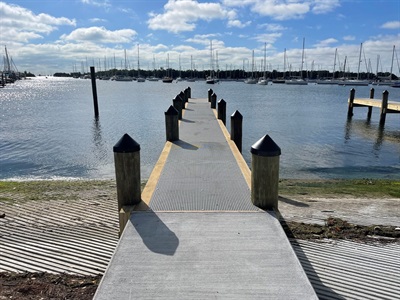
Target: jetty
x,y
384,105
195,231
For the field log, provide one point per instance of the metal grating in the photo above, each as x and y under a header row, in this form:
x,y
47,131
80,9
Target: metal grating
x,y
203,155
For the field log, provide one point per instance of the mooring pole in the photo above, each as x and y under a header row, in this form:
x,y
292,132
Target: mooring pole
x,y
94,91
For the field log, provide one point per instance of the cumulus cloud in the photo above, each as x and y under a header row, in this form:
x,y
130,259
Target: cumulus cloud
x,y
268,38
349,38
20,24
238,23
285,9
103,3
181,15
100,35
391,25
326,43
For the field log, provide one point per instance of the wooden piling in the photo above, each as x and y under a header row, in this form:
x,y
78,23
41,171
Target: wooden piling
x,y
222,111
371,96
213,101
94,91
385,98
236,129
178,104
265,173
127,175
172,124
351,102
210,92
183,97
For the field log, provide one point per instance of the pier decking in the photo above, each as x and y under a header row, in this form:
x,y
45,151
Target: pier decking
x,y
384,105
196,234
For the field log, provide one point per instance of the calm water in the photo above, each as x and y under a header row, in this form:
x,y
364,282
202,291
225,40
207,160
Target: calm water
x,y
48,130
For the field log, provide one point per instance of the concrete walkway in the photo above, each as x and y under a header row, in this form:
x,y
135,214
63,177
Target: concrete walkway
x,y
196,234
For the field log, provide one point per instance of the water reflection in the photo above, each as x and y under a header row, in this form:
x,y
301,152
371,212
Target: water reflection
x,y
369,131
99,146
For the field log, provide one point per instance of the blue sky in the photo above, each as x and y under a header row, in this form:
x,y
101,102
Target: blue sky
x,y
50,36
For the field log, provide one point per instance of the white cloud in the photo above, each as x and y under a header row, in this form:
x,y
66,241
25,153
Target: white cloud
x,y
268,38
100,35
238,23
391,25
285,9
349,38
103,3
181,15
272,27
20,24
324,6
326,43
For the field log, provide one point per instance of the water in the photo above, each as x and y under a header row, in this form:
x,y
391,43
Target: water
x,y
48,129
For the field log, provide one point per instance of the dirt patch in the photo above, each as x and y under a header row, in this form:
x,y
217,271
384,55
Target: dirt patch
x,y
336,228
41,286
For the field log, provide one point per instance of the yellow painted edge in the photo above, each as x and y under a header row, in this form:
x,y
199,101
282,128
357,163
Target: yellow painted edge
x,y
235,151
151,184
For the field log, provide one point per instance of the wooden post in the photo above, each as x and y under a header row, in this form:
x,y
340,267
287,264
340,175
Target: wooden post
x,y
265,173
178,104
214,101
183,97
222,111
210,92
127,174
371,96
351,101
189,92
236,129
172,124
94,91
385,98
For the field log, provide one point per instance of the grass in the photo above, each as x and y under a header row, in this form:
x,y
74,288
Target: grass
x,y
369,188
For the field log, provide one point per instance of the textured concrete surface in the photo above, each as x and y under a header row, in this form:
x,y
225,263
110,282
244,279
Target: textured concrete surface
x,y
215,255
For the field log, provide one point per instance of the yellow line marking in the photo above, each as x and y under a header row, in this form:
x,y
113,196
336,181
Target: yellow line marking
x,y
235,151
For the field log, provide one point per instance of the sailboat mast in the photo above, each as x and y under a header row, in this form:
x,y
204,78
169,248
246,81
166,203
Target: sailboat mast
x,y
391,67
334,65
302,61
265,60
359,62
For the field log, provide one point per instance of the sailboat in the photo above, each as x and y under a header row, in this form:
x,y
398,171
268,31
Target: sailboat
x,y
139,78
330,81
263,80
251,80
356,82
211,79
124,77
167,78
153,78
299,81
191,79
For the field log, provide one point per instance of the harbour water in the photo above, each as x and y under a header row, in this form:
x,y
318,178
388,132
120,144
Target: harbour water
x,y
48,129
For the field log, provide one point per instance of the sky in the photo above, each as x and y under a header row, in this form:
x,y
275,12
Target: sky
x,y
48,36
